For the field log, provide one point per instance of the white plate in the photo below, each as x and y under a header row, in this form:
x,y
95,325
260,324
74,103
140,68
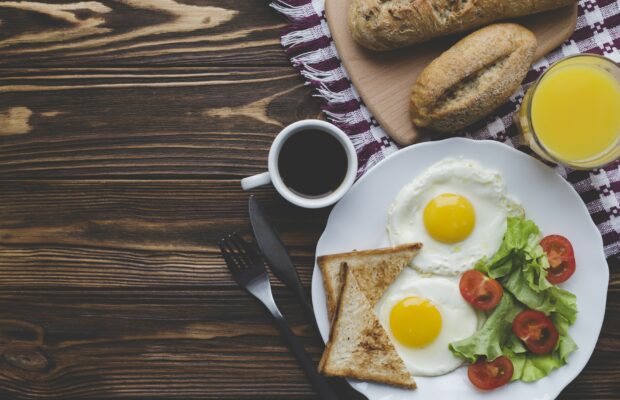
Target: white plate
x,y
358,222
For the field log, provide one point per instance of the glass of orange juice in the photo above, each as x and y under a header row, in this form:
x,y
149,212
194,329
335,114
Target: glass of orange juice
x,y
571,114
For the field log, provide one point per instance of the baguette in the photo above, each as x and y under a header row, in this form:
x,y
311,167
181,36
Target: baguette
x,y
390,24
472,78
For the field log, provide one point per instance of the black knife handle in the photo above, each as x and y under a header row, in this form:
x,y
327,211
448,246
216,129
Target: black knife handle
x,y
318,381
304,300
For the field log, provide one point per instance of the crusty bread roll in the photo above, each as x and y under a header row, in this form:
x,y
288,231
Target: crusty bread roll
x,y
390,24
472,78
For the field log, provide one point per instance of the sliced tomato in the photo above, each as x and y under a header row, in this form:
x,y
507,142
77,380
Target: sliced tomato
x,y
487,375
561,258
536,330
480,291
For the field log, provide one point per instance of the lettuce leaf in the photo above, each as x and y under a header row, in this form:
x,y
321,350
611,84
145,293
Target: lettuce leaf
x,y
517,284
529,367
551,300
565,304
489,339
566,344
535,267
521,266
522,236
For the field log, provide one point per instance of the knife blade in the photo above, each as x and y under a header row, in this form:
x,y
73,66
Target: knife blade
x,y
277,256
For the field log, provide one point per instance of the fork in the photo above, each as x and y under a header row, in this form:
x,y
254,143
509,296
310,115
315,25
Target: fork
x,y
247,267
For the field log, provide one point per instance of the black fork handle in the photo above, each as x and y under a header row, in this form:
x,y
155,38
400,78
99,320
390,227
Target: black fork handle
x,y
318,381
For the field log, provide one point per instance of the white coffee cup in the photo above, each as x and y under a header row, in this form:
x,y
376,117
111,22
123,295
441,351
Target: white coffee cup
x,y
273,174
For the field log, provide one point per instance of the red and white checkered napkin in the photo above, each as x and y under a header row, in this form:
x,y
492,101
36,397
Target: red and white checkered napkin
x,y
307,41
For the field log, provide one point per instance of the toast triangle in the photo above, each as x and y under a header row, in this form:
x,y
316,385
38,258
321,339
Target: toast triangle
x,y
359,347
374,270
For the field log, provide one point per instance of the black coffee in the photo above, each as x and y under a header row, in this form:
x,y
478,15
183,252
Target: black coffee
x,y
312,163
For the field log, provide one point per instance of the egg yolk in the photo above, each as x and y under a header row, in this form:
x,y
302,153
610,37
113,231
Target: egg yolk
x,y
415,322
449,218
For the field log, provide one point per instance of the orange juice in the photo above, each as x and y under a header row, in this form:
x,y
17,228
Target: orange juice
x,y
572,114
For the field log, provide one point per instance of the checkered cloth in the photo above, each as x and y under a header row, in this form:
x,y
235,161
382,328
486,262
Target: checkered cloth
x,y
307,42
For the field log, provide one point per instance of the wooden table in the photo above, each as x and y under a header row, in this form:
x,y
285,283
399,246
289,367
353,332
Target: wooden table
x,y
125,127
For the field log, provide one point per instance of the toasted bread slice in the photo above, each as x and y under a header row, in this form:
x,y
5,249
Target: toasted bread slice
x,y
359,347
374,270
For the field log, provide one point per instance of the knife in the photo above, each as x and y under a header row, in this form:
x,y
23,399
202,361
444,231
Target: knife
x,y
282,267
273,249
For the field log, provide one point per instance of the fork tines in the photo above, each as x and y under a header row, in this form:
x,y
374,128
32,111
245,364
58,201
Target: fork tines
x,y
243,261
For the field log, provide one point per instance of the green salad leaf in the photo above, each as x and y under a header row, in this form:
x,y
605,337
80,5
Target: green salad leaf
x,y
565,303
530,367
521,265
521,237
490,339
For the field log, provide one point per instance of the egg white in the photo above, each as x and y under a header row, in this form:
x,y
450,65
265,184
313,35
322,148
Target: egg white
x,y
485,190
459,320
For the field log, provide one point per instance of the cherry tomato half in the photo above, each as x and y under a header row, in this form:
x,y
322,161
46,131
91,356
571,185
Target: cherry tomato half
x,y
487,375
561,258
536,330
480,291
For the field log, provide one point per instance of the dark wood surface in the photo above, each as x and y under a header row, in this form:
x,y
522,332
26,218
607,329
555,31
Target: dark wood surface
x,y
124,129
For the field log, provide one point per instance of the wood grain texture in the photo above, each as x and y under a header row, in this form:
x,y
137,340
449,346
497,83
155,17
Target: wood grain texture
x,y
113,234
384,79
214,122
124,129
206,343
139,32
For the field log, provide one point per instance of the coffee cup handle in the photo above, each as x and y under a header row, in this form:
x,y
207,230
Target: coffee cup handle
x,y
255,181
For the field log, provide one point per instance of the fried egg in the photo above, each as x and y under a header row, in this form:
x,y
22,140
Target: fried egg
x,y
422,315
458,210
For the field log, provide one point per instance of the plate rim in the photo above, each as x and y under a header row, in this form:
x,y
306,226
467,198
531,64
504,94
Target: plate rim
x,y
316,273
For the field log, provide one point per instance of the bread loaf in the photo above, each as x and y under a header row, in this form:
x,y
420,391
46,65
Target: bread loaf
x,y
472,78
390,24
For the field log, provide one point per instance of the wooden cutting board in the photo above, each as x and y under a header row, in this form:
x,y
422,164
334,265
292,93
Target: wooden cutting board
x,y
384,79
